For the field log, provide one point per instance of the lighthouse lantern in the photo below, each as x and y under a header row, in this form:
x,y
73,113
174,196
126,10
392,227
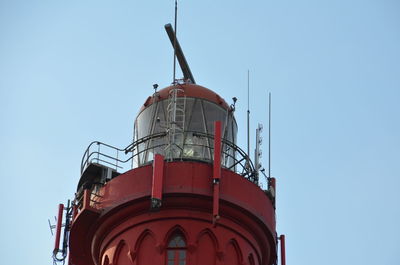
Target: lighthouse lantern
x,y
196,111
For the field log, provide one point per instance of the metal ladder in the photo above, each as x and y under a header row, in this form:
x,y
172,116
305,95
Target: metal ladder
x,y
176,122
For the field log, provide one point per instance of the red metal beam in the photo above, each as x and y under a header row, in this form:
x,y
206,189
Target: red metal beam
x,y
74,212
217,150
86,199
216,169
283,250
58,228
157,183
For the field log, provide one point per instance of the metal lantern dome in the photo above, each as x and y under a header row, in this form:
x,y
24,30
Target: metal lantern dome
x,y
196,109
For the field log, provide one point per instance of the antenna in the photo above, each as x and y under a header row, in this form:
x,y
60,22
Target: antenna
x,y
59,255
269,135
248,112
258,152
176,29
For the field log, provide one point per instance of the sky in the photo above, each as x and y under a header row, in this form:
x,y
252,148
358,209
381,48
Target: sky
x,y
76,71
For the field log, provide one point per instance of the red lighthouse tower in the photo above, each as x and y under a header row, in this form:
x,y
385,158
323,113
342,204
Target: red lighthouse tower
x,y
182,193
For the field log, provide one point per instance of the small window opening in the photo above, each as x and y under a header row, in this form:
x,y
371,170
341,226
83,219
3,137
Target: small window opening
x,y
176,251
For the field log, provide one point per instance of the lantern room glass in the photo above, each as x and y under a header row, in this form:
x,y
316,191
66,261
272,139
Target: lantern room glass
x,y
200,114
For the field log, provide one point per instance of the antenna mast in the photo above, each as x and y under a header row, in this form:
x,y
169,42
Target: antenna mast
x,y
269,135
176,30
176,105
248,112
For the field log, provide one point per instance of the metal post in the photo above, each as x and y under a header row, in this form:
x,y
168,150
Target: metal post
x,y
116,164
66,230
283,251
58,228
269,135
176,18
98,152
248,115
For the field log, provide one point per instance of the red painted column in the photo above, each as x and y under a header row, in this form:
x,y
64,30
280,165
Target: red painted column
x,y
216,169
86,199
157,184
283,251
74,212
58,228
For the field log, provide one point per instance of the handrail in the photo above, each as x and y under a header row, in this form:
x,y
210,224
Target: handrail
x,y
88,155
88,158
240,161
248,167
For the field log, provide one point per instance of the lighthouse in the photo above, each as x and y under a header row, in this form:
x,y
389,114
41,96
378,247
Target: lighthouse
x,y
181,193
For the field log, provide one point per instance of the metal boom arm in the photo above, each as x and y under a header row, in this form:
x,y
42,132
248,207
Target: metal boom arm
x,y
179,54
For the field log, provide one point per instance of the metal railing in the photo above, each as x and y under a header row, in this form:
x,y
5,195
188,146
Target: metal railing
x,y
120,159
104,154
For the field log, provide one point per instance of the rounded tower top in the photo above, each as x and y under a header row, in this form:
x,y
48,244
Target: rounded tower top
x,y
178,123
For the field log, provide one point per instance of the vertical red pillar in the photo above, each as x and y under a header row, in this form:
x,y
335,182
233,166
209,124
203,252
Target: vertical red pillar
x,y
58,228
157,183
283,251
216,169
74,211
86,199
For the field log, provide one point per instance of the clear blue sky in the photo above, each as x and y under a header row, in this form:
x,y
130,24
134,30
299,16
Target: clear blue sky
x,y
76,71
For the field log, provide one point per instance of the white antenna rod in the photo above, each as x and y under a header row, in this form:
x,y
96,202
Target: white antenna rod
x,y
175,108
269,135
176,30
248,112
